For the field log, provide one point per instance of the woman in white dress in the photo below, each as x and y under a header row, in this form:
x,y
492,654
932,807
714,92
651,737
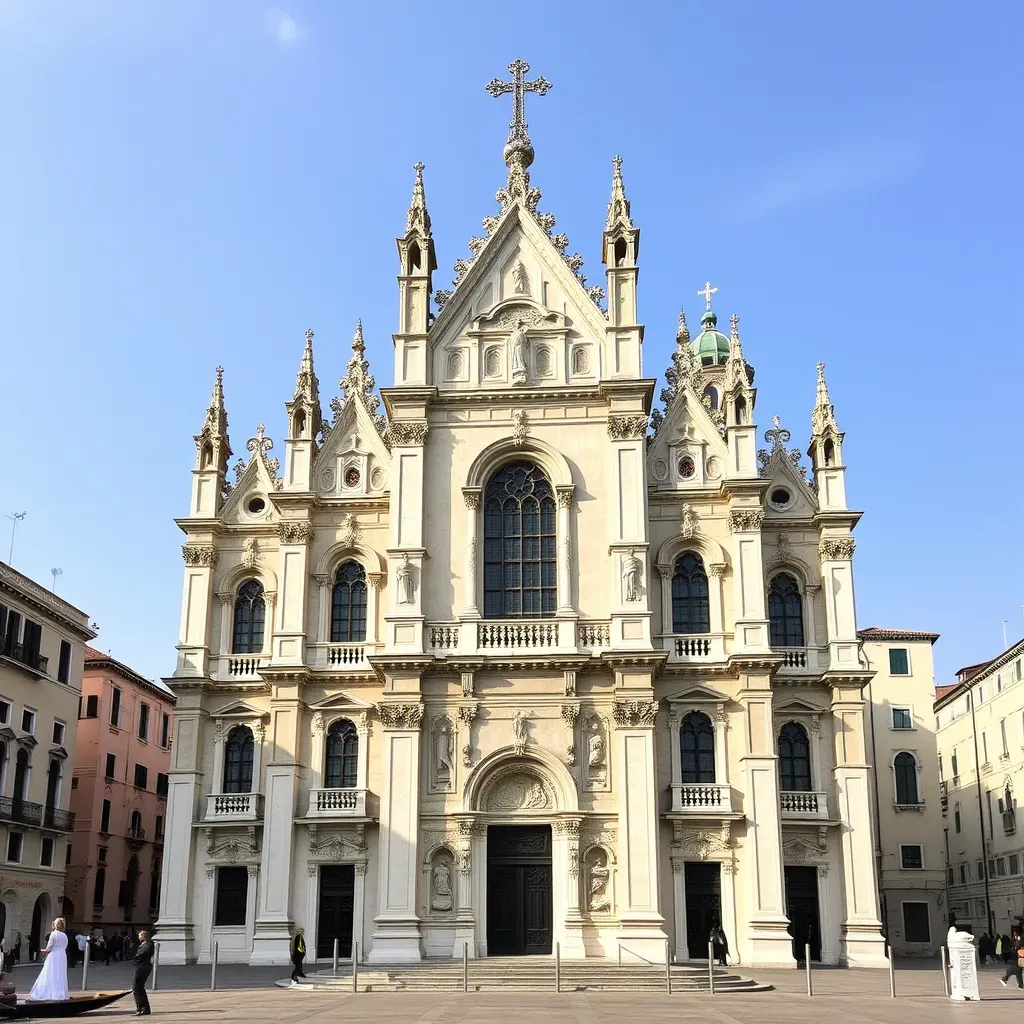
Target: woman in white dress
x,y
52,982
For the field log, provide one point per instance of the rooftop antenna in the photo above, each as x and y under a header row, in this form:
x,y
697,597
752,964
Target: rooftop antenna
x,y
15,518
55,573
1005,644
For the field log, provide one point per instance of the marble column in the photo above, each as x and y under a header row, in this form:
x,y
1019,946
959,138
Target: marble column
x,y
567,834
472,499
564,535
465,922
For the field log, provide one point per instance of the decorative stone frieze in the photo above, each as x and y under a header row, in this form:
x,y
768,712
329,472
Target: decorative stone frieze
x,y
200,555
745,520
627,428
838,549
635,712
406,432
400,716
471,495
294,533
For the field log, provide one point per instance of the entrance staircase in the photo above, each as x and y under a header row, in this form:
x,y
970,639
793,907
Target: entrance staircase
x,y
528,974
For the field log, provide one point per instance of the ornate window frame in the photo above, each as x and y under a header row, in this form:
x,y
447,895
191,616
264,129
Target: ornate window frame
x,y
375,567
895,793
223,722
810,720
227,594
326,713
806,587
716,565
714,708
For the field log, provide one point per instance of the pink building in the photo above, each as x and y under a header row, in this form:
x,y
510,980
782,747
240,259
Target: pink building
x,y
119,791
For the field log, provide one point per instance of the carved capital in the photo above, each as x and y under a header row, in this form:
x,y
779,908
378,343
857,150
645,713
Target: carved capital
x,y
717,569
200,555
375,579
467,713
627,428
568,827
664,571
745,520
318,723
635,713
471,496
406,433
570,712
565,495
294,532
400,716
322,580
835,550
225,599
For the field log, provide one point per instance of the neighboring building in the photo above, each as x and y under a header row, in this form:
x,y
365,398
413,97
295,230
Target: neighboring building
x,y
980,730
120,794
908,820
42,644
502,668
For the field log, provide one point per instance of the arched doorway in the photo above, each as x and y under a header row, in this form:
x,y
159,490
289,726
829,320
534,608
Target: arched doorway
x,y
41,922
131,888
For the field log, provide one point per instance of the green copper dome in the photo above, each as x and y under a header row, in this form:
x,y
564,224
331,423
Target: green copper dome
x,y
711,346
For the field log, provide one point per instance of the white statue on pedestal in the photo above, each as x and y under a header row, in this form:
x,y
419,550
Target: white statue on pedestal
x,y
963,965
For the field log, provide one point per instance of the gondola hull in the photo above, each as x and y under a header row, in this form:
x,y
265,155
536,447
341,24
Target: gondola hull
x,y
50,1009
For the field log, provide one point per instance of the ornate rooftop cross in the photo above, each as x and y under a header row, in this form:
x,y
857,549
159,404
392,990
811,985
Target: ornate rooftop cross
x,y
519,87
707,291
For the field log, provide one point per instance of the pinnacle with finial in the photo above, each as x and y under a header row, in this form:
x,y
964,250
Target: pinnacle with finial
x,y
306,384
519,145
824,416
358,382
618,208
216,423
734,326
417,219
682,332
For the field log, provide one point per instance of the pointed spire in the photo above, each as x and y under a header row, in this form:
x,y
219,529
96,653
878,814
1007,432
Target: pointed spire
x,y
358,383
618,208
685,369
215,427
417,219
306,384
682,332
824,416
737,372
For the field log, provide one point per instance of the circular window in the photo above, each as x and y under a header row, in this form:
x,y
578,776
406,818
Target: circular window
x,y
352,477
686,467
780,497
256,505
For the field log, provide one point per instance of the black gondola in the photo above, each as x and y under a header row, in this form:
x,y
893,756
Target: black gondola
x,y
50,1009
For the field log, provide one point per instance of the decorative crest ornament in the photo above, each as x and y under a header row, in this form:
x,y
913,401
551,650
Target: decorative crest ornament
x,y
358,384
689,526
778,437
707,291
518,87
259,446
417,219
520,428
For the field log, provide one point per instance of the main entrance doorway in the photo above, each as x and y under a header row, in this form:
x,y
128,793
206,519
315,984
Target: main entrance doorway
x,y
337,900
703,904
518,890
802,910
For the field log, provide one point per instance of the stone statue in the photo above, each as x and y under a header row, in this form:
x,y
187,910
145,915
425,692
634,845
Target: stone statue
x,y
442,887
443,749
534,796
517,342
632,576
597,894
596,746
405,581
519,732
519,279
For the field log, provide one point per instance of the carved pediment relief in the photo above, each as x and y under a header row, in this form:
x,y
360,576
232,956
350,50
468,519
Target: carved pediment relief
x,y
518,791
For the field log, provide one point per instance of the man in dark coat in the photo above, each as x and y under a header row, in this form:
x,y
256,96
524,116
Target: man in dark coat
x,y
719,944
143,968
298,955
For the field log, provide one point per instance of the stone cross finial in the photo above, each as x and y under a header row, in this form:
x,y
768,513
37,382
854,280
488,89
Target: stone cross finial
x,y
519,87
707,291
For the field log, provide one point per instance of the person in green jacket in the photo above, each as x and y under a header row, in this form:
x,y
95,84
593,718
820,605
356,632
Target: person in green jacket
x,y
298,955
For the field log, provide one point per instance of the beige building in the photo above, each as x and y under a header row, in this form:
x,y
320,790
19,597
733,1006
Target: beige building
x,y
980,730
909,849
513,662
41,656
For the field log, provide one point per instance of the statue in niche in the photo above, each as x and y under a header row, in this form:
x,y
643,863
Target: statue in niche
x,y
595,744
406,582
519,732
443,751
597,887
442,878
519,279
633,576
517,342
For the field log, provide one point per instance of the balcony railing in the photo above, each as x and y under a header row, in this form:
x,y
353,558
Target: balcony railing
x,y
337,803
802,660
243,666
347,656
1009,822
20,654
518,636
803,805
136,832
234,807
918,806
701,798
592,636
694,647
25,813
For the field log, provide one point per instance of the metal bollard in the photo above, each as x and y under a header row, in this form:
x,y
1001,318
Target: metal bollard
x,y
85,968
807,962
711,968
465,967
892,974
213,968
355,966
945,971
335,967
558,966
156,966
668,970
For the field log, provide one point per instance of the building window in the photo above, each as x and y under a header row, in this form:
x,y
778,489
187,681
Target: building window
x,y
21,770
141,776
64,662
979,868
74,782
58,733
902,718
915,923
28,721
144,722
232,896
111,769
92,706
135,829
697,748
115,706
101,855
1002,736
949,876
956,766
899,661
165,731
794,759
348,604
238,756
250,618
161,784
984,747
1000,867
105,817
342,755
911,857
519,544
101,882
5,712
905,768
14,841
963,874
67,855
785,612
159,832
1014,863
46,852
691,609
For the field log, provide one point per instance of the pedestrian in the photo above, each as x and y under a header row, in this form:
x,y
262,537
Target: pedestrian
x,y
143,968
52,982
1016,968
719,944
17,947
1008,950
999,948
984,948
298,955
102,948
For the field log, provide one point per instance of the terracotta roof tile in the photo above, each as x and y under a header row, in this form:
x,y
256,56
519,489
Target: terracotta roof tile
x,y
883,633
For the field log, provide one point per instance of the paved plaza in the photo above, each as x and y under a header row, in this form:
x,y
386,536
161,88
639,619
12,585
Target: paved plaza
x,y
854,996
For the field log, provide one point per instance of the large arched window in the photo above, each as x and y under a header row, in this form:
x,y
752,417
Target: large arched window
x,y
340,771
905,769
794,759
250,616
348,604
519,544
238,754
785,612
697,745
101,883
21,768
690,607
135,828
53,784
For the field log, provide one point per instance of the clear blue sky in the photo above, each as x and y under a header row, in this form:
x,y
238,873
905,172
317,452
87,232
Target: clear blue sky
x,y
188,182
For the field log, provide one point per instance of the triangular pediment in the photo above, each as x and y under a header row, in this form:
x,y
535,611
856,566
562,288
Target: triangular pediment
x,y
239,709
696,693
784,475
797,707
352,444
341,702
518,275
687,432
252,484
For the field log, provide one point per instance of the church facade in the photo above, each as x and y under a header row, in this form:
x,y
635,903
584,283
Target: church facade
x,y
511,662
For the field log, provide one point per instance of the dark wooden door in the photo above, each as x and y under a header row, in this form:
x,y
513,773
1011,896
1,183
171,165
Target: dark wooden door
x,y
337,900
802,910
518,890
703,905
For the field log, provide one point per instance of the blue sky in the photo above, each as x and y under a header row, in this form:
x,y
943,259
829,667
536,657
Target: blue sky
x,y
190,183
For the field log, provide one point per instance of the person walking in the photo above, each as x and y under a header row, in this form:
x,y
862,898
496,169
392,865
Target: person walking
x,y
719,944
1016,967
143,968
298,955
